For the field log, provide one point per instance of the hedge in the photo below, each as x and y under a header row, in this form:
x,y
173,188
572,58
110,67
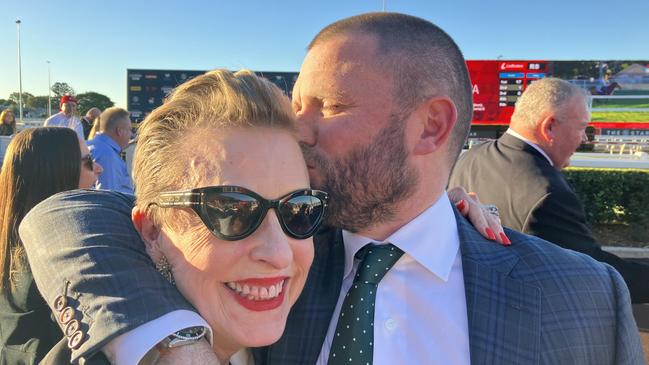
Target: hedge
x,y
617,196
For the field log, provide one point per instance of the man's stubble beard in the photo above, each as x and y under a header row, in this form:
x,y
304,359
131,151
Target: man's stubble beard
x,y
367,185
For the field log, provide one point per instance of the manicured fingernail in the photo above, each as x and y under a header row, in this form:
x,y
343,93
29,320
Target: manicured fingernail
x,y
460,205
490,234
505,239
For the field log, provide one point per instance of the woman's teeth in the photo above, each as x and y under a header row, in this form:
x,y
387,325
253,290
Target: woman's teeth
x,y
257,292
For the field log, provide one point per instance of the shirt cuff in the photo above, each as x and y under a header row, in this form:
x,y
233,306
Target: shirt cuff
x,y
130,347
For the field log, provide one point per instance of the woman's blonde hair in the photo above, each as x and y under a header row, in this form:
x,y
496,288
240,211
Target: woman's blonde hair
x,y
218,99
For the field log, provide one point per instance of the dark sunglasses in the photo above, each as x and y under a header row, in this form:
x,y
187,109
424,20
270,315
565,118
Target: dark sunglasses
x,y
233,213
88,162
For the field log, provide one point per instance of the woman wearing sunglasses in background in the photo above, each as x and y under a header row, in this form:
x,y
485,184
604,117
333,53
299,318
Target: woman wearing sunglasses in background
x,y
38,163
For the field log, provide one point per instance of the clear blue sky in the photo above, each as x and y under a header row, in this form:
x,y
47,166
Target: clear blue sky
x,y
91,43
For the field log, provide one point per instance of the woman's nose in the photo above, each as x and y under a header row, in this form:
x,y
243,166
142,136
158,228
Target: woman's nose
x,y
273,246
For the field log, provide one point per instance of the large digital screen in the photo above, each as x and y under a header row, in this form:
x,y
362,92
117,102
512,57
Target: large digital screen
x,y
496,84
147,89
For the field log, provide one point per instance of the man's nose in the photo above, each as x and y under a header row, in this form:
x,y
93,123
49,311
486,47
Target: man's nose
x,y
307,128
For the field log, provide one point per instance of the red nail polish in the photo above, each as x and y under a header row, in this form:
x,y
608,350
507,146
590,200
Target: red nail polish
x,y
460,205
505,239
490,234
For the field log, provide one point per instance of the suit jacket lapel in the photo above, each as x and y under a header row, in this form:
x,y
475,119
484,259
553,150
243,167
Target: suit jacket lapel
x,y
309,319
497,304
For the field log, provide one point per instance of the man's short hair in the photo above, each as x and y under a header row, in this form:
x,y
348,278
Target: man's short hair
x,y
548,95
94,110
109,119
423,59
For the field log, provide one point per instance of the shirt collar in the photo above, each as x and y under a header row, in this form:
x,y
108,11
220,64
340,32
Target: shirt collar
x,y
513,133
109,141
431,239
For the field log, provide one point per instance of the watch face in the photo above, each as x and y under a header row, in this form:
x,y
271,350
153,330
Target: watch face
x,y
191,332
185,336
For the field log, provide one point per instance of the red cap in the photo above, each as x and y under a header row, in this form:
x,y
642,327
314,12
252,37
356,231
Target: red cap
x,y
68,99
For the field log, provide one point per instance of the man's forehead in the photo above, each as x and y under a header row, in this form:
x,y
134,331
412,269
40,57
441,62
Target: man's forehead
x,y
347,48
337,62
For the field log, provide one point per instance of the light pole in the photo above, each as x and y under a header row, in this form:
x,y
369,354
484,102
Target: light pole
x,y
49,90
20,77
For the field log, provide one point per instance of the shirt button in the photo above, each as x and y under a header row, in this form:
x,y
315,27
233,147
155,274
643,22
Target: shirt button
x,y
390,324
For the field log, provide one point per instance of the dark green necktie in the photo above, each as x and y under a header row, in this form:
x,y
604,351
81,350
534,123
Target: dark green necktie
x,y
354,336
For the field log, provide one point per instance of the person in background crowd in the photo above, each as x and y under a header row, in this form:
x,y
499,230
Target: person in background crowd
x,y
7,123
106,147
87,122
521,174
67,116
39,162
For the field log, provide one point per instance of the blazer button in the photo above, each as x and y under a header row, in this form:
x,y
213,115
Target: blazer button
x,y
66,315
60,302
75,340
71,328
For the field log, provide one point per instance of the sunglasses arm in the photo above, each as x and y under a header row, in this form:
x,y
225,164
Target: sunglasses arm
x,y
178,199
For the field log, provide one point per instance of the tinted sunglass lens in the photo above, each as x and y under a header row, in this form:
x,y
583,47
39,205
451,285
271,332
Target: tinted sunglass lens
x,y
88,162
232,214
301,214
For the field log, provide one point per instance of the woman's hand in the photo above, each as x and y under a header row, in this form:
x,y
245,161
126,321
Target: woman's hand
x,y
479,215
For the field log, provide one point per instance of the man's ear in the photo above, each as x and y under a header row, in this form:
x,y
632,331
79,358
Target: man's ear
x,y
547,129
149,232
438,117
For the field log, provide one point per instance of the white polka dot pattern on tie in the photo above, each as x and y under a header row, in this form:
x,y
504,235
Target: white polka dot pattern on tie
x,y
354,332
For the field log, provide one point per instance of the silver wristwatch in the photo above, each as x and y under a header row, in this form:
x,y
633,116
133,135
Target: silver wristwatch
x,y
184,337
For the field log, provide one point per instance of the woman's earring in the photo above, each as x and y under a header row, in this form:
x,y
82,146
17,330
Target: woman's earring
x,y
164,269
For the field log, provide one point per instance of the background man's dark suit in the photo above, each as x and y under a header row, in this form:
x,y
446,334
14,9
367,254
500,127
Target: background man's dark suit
x,y
521,300
533,197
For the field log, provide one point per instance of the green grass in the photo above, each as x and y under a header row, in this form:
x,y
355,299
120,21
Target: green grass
x,y
620,116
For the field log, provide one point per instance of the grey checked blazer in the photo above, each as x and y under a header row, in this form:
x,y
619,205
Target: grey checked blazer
x,y
531,303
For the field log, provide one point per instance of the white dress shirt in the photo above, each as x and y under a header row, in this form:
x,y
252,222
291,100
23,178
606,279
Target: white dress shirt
x,y
61,120
420,309
513,133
